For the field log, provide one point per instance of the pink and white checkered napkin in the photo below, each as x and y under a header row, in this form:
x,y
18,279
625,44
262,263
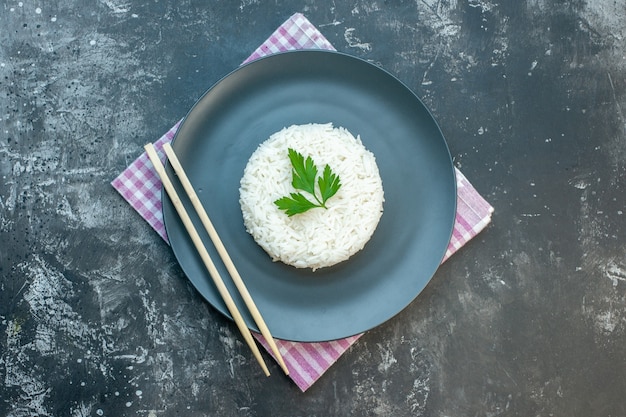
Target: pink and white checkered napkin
x,y
140,186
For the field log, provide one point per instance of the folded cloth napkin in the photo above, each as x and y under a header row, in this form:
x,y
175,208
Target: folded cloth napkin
x,y
140,186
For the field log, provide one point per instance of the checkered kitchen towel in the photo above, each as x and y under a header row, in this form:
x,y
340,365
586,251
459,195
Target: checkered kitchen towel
x,y
140,186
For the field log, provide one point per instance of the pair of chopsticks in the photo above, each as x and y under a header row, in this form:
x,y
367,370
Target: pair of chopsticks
x,y
217,279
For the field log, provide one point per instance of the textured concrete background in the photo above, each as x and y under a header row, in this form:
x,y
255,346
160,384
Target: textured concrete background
x,y
529,319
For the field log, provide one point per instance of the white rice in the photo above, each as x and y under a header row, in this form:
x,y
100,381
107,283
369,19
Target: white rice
x,y
319,237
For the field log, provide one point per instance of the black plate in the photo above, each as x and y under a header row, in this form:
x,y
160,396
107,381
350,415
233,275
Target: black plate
x,y
242,110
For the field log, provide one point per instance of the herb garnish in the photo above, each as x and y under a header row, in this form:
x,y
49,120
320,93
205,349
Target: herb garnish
x,y
304,173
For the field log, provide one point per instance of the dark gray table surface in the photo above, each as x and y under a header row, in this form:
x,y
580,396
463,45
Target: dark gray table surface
x,y
529,319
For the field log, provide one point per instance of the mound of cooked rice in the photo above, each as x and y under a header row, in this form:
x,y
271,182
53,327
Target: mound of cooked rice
x,y
319,237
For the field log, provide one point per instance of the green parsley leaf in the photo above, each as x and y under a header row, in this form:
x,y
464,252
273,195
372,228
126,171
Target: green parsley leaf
x,y
295,204
329,184
304,174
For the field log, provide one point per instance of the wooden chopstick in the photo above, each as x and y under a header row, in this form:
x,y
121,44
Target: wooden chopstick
x,y
221,250
230,304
